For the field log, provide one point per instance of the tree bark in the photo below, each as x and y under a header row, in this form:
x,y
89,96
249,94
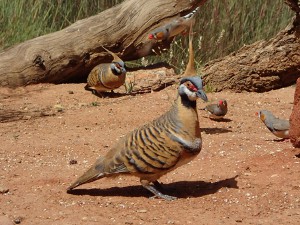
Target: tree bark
x,y
262,66
71,53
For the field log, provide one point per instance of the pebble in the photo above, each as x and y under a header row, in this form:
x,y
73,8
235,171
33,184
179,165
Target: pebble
x,y
73,161
27,117
58,107
3,190
142,211
18,220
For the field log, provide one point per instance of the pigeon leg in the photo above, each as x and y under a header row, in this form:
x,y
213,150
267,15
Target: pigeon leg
x,y
156,193
158,185
161,187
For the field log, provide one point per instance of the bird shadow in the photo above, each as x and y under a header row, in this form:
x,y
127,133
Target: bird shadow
x,y
279,140
119,94
226,120
215,130
222,120
109,94
181,189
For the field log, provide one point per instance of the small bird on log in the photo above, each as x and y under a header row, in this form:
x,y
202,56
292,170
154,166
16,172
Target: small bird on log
x,y
156,148
279,127
107,76
217,111
177,26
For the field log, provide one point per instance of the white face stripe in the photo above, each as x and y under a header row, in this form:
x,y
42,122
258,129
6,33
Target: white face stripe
x,y
191,95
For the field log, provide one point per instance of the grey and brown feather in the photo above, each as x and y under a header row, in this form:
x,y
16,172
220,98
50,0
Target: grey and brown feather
x,y
173,28
279,127
107,76
158,147
218,110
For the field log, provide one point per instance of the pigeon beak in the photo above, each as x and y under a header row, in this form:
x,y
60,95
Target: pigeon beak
x,y
201,94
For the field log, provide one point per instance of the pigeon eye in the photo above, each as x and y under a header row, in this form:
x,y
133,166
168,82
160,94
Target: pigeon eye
x,y
191,87
117,65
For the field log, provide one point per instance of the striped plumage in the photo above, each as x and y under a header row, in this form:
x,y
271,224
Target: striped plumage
x,y
157,147
107,76
177,26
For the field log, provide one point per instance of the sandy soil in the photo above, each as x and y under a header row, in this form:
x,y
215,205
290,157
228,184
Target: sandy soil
x,y
50,134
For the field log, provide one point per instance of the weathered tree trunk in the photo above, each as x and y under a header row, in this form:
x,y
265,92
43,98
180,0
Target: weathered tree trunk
x,y
71,53
262,66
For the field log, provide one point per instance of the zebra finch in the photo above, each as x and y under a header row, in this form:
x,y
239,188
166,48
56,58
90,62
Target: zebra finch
x,y
218,110
177,26
279,127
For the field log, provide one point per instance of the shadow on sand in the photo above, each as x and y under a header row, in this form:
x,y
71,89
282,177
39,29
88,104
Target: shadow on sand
x,y
181,189
215,130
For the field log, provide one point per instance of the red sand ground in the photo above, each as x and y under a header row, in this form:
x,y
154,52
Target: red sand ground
x,y
243,175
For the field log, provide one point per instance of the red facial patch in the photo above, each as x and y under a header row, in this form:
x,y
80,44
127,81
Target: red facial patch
x,y
193,88
221,102
150,36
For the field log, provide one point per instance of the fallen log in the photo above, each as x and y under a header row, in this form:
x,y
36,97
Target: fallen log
x,y
70,54
261,66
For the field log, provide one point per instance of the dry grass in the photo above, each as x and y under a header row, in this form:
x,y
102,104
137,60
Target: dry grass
x,y
222,26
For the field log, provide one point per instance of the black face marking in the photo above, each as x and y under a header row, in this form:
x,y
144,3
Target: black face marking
x,y
116,68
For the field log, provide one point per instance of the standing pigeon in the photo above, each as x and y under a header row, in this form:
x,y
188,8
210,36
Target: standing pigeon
x,y
156,148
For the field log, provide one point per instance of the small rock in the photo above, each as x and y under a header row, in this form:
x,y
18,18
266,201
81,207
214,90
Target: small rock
x,y
18,220
4,220
27,117
73,161
71,92
142,211
3,190
58,108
